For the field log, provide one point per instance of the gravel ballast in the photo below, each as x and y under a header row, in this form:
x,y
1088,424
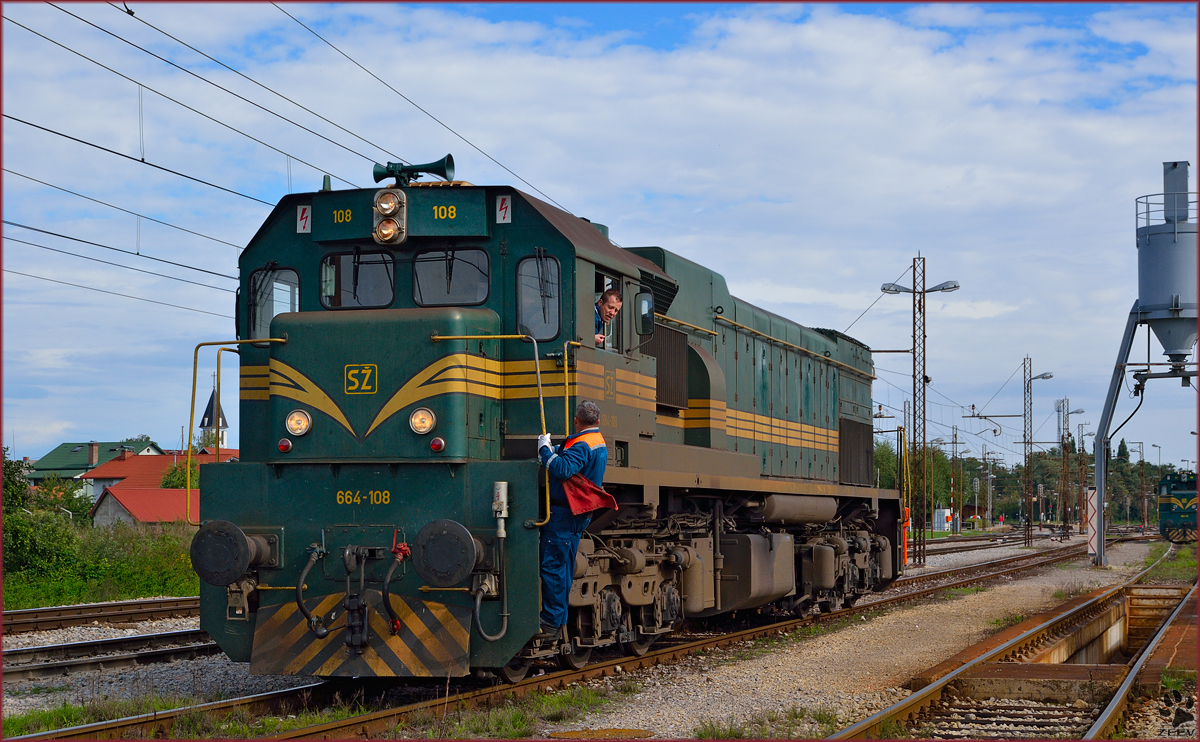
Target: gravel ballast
x,y
852,672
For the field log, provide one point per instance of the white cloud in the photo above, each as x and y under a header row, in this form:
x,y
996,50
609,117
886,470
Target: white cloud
x,y
805,153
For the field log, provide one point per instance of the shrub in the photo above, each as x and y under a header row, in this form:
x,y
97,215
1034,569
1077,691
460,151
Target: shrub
x,y
39,543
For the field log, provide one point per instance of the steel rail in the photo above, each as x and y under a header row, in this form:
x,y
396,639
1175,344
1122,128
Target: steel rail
x,y
922,699
1106,723
41,619
159,723
56,660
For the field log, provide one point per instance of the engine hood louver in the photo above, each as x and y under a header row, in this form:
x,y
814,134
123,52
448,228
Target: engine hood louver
x,y
664,291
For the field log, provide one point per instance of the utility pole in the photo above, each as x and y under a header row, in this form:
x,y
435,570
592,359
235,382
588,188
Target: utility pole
x,y
920,446
918,429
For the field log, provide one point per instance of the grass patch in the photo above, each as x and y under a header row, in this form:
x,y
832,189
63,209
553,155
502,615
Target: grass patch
x,y
513,719
1179,566
104,564
241,724
961,592
1007,621
90,712
1073,589
795,723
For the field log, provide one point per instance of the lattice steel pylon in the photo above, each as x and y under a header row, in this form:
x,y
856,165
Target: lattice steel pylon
x,y
1028,441
920,447
1064,486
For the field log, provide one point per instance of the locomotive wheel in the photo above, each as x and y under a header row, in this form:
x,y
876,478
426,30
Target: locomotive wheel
x,y
515,671
638,647
576,660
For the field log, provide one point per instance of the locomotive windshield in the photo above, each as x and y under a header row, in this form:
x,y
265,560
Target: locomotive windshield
x,y
451,278
272,291
358,280
537,296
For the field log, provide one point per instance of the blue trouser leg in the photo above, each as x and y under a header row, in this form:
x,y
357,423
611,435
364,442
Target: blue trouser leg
x,y
558,544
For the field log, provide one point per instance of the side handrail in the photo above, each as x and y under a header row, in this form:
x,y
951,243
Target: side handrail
x,y
688,325
217,411
567,385
793,346
537,370
187,503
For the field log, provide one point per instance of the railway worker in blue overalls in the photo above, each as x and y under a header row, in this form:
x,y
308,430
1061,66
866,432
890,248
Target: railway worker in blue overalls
x,y
582,456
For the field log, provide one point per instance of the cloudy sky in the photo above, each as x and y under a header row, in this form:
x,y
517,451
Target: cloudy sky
x,y
807,152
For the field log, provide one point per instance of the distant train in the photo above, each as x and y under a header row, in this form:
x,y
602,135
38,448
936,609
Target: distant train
x,y
401,349
1177,507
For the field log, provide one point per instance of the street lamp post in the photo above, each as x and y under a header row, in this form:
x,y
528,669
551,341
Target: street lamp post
x,y
919,381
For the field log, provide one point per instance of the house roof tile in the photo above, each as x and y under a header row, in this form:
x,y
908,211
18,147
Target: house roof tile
x,y
149,505
71,459
148,471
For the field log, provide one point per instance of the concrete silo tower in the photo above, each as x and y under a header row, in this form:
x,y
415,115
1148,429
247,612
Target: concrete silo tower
x,y
1166,243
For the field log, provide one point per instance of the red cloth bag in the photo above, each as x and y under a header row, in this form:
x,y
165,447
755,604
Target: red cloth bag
x,y
584,496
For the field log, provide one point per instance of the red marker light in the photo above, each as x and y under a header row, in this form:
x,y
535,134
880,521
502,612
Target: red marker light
x,y
437,445
285,445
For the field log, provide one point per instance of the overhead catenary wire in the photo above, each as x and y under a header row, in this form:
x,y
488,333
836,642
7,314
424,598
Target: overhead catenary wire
x,y
126,267
179,103
118,208
134,159
877,298
117,249
267,88
114,293
422,110
216,85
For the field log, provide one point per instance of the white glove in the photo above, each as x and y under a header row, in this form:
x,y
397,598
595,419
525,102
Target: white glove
x,y
544,442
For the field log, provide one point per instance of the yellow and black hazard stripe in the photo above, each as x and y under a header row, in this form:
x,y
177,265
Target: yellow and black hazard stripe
x,y
433,640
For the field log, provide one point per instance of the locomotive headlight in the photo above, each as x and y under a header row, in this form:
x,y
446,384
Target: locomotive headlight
x,y
298,422
387,230
422,420
387,203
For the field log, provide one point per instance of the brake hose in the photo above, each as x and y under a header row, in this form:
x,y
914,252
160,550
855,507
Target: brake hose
x,y
314,623
401,551
503,600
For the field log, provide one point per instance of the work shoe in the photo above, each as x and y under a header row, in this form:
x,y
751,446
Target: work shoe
x,y
546,632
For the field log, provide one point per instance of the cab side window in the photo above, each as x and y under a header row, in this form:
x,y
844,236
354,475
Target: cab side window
x,y
272,291
538,297
611,330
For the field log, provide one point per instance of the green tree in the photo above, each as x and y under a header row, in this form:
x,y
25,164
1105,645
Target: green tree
x,y
142,438
56,494
16,485
175,476
1123,450
885,463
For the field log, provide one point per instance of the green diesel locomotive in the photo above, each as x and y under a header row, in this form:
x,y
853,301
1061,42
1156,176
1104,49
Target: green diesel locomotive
x,y
401,348
1177,507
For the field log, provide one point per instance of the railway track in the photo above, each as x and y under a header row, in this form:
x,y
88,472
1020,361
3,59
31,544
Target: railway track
x,y
383,721
55,660
954,707
42,619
